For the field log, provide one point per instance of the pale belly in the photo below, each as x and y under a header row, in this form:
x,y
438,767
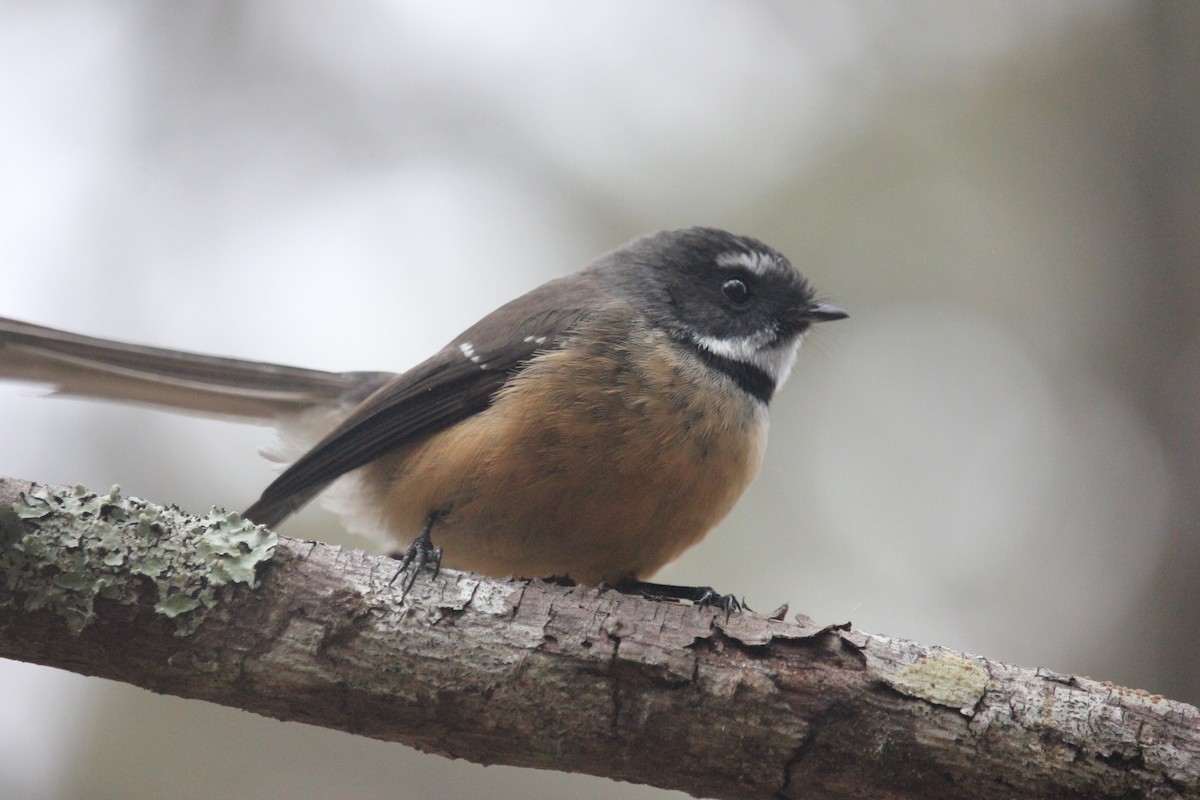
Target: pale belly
x,y
600,474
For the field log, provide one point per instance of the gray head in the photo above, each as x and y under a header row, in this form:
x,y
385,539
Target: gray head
x,y
735,301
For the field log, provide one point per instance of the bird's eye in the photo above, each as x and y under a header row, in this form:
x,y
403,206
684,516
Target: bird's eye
x,y
735,290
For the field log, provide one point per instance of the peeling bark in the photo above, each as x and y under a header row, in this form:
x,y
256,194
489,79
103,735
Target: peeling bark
x,y
553,677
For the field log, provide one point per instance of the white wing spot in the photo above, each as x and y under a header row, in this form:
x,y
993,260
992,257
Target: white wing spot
x,y
535,339
468,350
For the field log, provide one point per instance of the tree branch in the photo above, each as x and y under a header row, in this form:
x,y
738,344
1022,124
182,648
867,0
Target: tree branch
x,y
554,677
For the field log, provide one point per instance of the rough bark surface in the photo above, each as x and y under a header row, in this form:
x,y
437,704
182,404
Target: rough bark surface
x,y
555,677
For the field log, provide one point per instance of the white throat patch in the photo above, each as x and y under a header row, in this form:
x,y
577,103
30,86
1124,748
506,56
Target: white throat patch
x,y
761,350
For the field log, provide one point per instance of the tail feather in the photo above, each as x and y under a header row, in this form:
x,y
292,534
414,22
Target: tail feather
x,y
86,366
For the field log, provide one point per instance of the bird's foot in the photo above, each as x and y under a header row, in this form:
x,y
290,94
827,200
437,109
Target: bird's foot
x,y
420,554
698,595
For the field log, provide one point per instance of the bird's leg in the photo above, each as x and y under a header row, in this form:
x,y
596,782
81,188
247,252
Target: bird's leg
x,y
419,554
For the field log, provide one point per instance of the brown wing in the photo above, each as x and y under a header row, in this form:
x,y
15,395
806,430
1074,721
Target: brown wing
x,y
458,381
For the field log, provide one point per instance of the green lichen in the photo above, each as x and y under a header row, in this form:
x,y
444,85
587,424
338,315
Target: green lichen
x,y
61,549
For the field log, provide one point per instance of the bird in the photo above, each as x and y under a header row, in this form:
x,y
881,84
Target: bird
x,y
593,428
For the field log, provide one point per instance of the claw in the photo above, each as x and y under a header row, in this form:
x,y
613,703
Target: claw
x,y
707,596
419,554
698,595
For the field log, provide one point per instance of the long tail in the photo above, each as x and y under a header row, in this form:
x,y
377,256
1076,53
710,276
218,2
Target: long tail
x,y
86,366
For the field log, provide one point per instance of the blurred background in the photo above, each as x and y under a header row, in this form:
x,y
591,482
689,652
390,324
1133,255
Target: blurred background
x,y
999,452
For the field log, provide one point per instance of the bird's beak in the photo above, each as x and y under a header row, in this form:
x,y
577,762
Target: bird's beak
x,y
823,312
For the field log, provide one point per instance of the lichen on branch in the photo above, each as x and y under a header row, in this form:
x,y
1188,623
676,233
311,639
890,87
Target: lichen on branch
x,y
86,546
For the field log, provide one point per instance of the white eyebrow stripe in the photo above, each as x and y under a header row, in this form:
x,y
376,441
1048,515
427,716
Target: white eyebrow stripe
x,y
754,261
